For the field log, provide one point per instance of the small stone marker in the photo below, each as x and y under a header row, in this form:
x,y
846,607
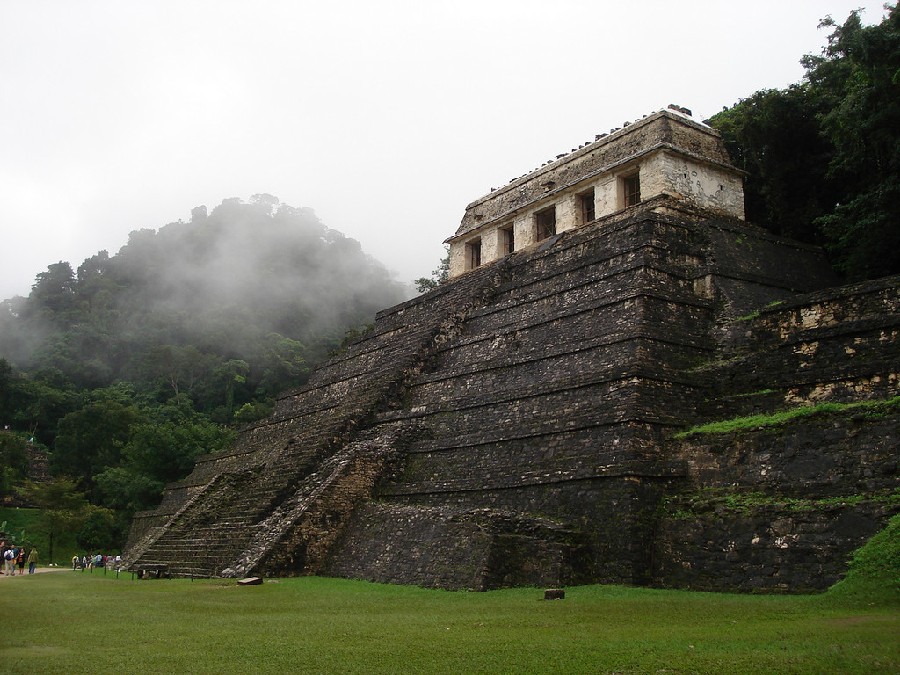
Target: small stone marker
x,y
554,594
250,581
152,571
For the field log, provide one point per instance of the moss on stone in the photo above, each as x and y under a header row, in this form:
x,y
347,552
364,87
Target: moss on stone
x,y
733,500
868,408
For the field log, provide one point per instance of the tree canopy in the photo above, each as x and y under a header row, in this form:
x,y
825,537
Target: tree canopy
x,y
228,309
126,369
438,275
823,156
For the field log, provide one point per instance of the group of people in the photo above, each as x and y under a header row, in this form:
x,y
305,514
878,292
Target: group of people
x,y
14,556
89,562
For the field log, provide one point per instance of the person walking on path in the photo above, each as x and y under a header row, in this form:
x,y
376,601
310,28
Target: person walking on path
x,y
9,557
20,560
32,560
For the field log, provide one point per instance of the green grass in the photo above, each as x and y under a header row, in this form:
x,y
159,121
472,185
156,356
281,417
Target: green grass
x,y
874,573
781,417
80,622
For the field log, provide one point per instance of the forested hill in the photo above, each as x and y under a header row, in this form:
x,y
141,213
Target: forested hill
x,y
823,156
125,370
228,308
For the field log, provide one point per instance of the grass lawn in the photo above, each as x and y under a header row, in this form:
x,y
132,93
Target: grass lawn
x,y
79,622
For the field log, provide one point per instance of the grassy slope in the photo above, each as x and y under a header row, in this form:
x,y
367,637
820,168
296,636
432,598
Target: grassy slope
x,y
874,573
18,520
74,621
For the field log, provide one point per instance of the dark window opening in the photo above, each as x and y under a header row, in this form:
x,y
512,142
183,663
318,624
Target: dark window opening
x,y
587,206
631,189
545,223
473,254
507,240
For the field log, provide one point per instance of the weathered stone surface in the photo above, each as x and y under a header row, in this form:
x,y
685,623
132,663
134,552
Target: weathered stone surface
x,y
516,426
668,152
766,548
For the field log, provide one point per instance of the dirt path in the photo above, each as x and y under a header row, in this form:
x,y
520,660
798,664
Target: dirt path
x,y
37,570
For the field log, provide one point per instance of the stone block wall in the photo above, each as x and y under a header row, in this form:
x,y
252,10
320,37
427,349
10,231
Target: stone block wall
x,y
515,426
556,399
766,549
449,547
781,508
836,345
710,186
846,455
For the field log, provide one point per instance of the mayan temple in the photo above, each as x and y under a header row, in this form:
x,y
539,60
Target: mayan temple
x,y
523,424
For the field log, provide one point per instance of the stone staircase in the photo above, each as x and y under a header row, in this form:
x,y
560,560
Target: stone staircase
x,y
516,424
290,464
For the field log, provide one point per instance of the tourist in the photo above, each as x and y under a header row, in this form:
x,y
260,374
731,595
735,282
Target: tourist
x,y
74,562
20,560
32,560
9,558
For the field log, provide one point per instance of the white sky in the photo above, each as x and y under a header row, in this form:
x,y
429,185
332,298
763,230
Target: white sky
x,y
385,117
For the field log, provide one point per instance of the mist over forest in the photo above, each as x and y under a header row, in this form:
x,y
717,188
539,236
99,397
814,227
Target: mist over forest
x,y
262,281
125,369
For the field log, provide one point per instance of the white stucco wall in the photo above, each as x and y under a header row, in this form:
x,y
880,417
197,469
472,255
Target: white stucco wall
x,y
652,150
704,185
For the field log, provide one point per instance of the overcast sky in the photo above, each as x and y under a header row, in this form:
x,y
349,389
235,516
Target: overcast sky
x,y
385,117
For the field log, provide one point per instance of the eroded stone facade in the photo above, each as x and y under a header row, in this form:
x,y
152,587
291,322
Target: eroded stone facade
x,y
518,425
666,153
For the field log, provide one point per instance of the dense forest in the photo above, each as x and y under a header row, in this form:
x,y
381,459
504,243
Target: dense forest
x,y
823,156
125,370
